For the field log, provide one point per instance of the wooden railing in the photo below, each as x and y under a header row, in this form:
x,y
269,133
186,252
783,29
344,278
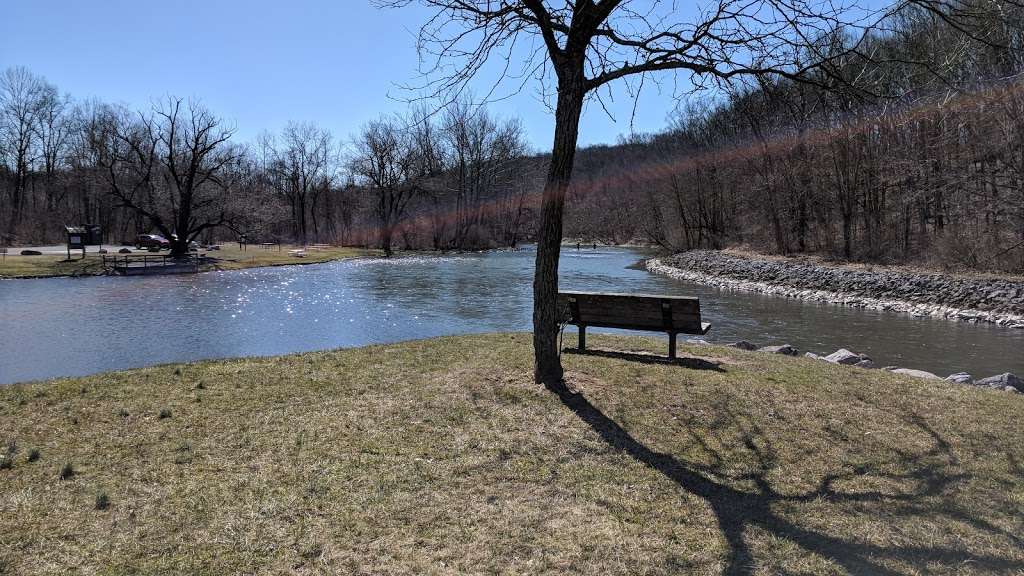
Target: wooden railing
x,y
125,261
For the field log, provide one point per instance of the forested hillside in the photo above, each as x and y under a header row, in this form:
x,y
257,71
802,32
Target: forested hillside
x,y
905,163
912,151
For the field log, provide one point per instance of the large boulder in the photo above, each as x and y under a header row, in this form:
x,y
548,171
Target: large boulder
x,y
866,363
124,251
1003,382
31,253
960,378
844,356
915,373
743,345
785,349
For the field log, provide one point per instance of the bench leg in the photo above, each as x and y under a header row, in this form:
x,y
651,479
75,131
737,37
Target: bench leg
x,y
672,345
583,337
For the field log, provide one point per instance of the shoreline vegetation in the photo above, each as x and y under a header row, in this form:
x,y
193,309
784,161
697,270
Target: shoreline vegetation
x,y
228,257
970,298
443,456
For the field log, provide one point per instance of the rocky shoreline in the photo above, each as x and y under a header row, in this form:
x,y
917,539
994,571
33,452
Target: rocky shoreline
x,y
996,301
1007,382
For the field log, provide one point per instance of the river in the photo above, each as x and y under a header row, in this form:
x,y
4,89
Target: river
x,y
71,327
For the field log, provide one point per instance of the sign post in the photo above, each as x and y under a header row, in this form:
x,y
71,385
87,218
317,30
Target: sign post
x,y
76,239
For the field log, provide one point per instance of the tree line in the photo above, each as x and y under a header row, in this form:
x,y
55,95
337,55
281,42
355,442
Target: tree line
x,y
893,162
447,177
907,164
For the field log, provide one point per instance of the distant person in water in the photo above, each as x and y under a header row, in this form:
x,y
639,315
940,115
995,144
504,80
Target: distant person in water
x,y
577,246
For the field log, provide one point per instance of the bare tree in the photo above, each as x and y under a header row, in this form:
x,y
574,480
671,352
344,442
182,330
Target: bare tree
x,y
482,151
385,157
300,169
170,167
23,96
586,45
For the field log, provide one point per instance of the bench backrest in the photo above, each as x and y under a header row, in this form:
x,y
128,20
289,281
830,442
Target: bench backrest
x,y
631,311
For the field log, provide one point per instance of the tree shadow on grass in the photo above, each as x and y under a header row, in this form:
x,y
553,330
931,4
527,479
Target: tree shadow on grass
x,y
738,509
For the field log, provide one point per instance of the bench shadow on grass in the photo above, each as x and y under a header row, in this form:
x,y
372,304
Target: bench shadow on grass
x,y
647,358
738,510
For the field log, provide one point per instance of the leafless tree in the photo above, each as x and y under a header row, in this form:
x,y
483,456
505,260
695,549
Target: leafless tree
x,y
588,44
301,168
387,160
171,168
23,96
482,152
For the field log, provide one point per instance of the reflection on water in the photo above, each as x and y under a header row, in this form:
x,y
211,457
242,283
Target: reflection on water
x,y
63,326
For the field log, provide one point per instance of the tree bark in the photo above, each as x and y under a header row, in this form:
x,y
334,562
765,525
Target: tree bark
x,y
547,364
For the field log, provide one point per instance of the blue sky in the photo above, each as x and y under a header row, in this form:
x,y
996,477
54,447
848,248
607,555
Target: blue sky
x,y
260,63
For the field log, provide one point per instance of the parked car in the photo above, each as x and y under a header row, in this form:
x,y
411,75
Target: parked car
x,y
151,241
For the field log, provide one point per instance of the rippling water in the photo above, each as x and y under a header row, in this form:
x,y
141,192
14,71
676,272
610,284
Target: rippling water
x,y
68,327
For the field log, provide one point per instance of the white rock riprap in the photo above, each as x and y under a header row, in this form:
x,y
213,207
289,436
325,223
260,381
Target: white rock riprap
x,y
972,300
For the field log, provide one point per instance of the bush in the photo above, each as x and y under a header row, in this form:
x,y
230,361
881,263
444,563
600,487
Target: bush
x,y
102,500
165,413
66,471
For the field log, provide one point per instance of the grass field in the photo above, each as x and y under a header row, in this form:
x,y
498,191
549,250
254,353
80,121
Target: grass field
x,y
17,266
442,457
229,257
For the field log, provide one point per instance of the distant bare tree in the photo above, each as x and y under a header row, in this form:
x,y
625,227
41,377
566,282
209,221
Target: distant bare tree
x,y
301,169
171,167
23,98
482,153
385,157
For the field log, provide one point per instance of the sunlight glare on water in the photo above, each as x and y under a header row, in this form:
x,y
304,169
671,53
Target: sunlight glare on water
x,y
65,327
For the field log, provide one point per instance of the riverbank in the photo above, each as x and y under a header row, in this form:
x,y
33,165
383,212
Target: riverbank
x,y
441,456
229,257
921,293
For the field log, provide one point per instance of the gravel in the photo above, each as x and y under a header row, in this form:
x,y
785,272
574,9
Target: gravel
x,y
923,294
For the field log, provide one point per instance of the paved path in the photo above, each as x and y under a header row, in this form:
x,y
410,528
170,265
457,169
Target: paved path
x,y
63,249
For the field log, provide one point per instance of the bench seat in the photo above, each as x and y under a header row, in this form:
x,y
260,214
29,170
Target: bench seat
x,y
672,315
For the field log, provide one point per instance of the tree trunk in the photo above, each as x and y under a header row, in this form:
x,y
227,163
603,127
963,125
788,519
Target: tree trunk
x,y
547,364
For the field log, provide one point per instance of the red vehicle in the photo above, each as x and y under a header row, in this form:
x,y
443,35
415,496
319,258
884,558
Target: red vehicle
x,y
151,241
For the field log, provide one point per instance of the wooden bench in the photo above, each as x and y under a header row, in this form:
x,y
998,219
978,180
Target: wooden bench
x,y
653,313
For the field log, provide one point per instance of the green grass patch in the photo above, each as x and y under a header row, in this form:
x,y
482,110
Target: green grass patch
x,y
442,457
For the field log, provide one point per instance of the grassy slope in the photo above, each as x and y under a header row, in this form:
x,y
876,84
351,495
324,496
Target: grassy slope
x,y
228,258
440,456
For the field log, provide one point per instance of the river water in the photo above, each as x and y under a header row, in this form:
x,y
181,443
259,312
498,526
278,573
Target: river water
x,y
69,327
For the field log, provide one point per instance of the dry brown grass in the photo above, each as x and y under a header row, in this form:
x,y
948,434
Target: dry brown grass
x,y
229,257
441,457
46,265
